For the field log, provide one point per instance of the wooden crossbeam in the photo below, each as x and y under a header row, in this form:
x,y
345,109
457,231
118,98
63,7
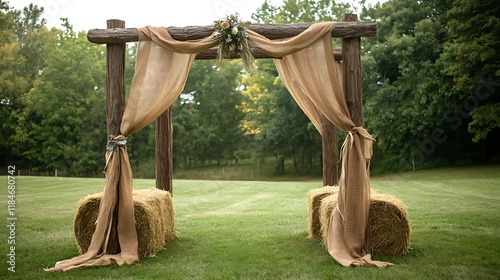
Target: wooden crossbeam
x,y
271,31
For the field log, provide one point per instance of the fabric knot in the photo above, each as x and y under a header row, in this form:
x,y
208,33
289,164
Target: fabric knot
x,y
366,141
119,140
349,139
113,141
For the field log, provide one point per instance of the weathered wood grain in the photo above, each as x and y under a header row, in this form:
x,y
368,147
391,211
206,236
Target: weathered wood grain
x,y
271,31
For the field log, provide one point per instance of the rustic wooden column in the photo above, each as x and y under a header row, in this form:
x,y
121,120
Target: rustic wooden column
x,y
163,155
353,90
115,81
353,83
115,87
330,153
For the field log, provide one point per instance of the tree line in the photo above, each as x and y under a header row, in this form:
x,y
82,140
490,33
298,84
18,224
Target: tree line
x,y
430,89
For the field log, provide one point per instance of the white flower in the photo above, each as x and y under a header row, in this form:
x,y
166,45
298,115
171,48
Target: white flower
x,y
234,30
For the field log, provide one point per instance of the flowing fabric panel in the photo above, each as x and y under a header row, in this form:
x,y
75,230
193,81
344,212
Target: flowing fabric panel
x,y
314,78
160,75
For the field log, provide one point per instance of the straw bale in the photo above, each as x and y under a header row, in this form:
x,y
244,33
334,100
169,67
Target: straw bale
x,y
388,221
314,202
154,217
389,225
325,211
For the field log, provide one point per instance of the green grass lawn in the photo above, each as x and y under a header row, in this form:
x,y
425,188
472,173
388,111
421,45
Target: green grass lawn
x,y
258,230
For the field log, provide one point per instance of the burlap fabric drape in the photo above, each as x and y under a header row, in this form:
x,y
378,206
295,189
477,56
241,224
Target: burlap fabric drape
x,y
311,75
161,72
314,78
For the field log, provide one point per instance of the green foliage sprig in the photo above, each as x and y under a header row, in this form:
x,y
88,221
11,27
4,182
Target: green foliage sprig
x,y
233,39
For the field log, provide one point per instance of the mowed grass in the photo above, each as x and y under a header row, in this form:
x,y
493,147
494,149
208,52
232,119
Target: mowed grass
x,y
258,230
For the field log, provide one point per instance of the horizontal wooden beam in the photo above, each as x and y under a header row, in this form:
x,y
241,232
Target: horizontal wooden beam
x,y
212,54
271,31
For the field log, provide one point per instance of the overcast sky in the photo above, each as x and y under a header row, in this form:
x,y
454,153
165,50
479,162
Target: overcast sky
x,y
90,14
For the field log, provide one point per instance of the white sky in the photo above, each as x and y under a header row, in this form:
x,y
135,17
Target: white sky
x,y
91,14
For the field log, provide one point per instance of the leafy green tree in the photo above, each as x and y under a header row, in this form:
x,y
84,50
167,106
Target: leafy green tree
x,y
31,32
485,119
400,86
63,124
14,82
472,61
9,81
185,127
293,11
420,74
6,22
208,115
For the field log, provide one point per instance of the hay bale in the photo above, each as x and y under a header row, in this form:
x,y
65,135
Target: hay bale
x,y
154,218
388,221
389,225
325,212
314,202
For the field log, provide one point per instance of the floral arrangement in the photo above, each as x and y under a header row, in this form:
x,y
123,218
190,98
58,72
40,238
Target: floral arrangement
x,y
233,39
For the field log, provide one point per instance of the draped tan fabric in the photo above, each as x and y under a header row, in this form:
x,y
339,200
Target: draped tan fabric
x,y
286,46
314,79
349,220
160,75
161,72
300,96
315,72
117,190
308,70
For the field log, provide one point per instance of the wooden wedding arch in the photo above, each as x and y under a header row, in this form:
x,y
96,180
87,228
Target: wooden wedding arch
x,y
116,36
115,239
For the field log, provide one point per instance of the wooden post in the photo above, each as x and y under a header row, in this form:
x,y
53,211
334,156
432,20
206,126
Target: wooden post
x,y
115,86
353,90
330,153
163,151
353,83
115,81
